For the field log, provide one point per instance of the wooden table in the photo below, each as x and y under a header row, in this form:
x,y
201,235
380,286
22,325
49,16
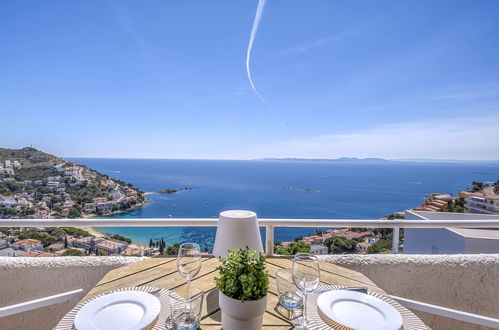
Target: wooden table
x,y
162,272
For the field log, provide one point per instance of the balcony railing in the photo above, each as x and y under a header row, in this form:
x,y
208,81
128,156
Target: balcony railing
x,y
269,224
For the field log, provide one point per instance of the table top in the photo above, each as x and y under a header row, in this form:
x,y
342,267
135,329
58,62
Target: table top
x,y
162,273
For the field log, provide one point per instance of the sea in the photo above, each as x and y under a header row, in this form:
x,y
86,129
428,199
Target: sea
x,y
278,189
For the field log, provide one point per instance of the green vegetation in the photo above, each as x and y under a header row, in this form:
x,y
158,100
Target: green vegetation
x,y
172,250
340,245
169,250
76,231
45,238
456,205
23,212
476,186
73,252
4,230
31,157
77,189
292,248
121,238
101,253
496,187
395,216
382,246
242,275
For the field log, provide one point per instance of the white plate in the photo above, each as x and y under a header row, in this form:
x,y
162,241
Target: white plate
x,y
119,310
359,310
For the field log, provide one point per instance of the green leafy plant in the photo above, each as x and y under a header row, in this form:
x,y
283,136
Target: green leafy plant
x,y
243,275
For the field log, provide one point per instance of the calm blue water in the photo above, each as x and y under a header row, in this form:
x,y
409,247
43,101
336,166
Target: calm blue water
x,y
276,189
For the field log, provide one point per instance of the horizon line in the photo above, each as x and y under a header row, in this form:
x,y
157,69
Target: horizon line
x,y
404,160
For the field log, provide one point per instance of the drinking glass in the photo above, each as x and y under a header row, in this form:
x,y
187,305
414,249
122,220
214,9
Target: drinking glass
x,y
189,262
185,309
289,295
306,276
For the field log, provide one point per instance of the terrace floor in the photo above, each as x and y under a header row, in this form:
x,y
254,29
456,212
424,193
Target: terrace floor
x,y
162,273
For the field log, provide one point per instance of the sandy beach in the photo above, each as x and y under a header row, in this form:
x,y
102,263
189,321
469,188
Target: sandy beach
x,y
94,232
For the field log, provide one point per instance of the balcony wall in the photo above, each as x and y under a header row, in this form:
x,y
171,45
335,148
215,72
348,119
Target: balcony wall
x,y
464,282
468,283
23,279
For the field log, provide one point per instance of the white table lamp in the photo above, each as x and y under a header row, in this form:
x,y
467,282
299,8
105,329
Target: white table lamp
x,y
237,229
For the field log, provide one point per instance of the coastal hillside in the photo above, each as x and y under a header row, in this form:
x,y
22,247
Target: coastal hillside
x,y
34,184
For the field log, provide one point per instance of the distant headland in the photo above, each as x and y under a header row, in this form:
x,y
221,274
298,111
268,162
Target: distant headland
x,y
35,184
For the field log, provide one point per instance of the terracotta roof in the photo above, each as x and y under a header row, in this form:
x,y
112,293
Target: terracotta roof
x,y
484,195
32,254
47,254
442,196
56,246
130,251
28,241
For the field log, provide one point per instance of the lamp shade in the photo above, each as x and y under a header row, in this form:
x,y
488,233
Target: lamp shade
x,y
237,229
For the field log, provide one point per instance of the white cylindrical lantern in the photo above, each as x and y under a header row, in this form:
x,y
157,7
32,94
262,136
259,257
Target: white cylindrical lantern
x,y
237,229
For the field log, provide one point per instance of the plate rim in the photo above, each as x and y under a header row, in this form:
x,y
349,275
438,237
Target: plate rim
x,y
352,295
154,308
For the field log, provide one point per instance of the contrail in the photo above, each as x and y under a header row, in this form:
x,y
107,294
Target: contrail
x,y
254,29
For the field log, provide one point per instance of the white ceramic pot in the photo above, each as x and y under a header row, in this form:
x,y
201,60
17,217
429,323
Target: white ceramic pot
x,y
237,315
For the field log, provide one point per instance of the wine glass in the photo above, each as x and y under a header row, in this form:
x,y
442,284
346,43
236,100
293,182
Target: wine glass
x,y
189,262
306,276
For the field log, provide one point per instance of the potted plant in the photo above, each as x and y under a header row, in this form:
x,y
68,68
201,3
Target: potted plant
x,y
243,284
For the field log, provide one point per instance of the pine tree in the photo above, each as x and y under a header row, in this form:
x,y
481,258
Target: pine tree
x,y
151,243
65,242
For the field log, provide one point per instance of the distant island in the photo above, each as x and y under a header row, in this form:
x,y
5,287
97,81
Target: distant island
x,y
384,161
34,184
342,159
171,191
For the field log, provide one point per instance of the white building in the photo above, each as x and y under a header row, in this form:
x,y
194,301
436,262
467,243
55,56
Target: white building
x,y
7,170
362,247
3,243
112,247
318,249
481,203
115,195
447,240
28,245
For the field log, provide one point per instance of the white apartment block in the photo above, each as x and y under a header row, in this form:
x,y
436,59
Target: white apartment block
x,y
481,203
449,240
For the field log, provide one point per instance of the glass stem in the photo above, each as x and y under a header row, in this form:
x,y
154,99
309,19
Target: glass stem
x,y
189,296
304,316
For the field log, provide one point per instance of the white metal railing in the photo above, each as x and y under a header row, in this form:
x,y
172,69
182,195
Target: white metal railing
x,y
40,302
269,224
449,313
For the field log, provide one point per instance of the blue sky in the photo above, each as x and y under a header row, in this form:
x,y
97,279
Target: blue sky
x,y
167,79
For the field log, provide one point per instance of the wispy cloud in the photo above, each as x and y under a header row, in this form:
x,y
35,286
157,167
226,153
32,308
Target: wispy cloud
x,y
125,20
317,43
464,138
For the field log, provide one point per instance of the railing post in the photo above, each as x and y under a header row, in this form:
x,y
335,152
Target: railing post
x,y
395,240
269,240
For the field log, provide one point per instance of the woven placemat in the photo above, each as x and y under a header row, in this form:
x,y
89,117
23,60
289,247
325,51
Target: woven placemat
x,y
67,322
318,321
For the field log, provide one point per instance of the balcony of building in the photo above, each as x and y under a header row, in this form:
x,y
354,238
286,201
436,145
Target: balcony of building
x,y
448,291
